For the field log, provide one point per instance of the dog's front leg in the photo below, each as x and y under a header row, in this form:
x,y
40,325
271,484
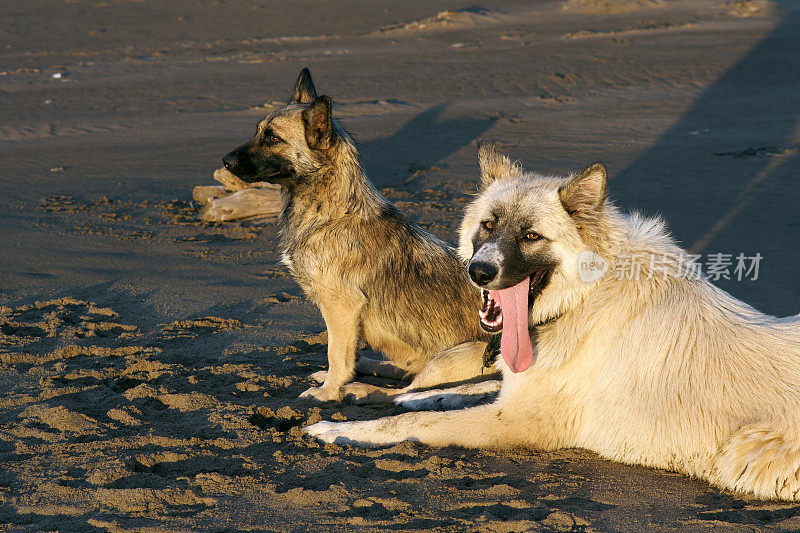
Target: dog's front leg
x,y
478,427
343,319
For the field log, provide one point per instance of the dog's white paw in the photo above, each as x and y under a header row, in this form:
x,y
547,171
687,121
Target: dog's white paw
x,y
319,376
334,433
323,394
315,430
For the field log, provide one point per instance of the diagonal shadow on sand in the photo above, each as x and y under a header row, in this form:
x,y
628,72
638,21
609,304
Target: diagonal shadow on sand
x,y
740,139
424,141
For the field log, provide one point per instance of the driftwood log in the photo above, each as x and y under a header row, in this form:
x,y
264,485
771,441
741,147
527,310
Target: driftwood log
x,y
236,199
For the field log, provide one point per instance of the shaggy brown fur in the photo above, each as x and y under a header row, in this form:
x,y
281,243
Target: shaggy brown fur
x,y
374,275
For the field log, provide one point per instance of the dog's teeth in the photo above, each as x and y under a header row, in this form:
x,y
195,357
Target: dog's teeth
x,y
491,316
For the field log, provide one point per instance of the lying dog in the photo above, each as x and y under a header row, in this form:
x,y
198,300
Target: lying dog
x,y
374,274
659,368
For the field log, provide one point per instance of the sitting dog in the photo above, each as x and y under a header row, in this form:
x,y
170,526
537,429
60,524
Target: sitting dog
x,y
375,275
637,361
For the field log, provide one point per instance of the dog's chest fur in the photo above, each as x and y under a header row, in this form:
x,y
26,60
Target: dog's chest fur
x,y
343,242
320,238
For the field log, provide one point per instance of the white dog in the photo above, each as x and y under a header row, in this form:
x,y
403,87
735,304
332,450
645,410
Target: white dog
x,y
644,364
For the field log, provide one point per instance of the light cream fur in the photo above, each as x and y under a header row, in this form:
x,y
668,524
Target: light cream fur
x,y
663,371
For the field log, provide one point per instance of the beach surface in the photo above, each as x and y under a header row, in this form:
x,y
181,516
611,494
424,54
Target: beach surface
x,y
150,363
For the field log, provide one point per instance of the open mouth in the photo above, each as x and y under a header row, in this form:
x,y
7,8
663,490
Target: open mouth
x,y
491,314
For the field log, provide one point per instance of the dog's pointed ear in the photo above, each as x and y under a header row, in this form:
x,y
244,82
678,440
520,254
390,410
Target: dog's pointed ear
x,y
586,192
318,121
304,91
494,164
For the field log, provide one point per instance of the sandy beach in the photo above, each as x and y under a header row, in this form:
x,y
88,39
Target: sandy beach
x,y
150,363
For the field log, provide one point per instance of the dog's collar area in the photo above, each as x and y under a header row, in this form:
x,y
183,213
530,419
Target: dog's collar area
x,y
492,351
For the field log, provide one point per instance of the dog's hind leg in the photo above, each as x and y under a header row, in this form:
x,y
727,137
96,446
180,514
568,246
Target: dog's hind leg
x,y
365,394
483,426
760,460
367,366
458,365
343,319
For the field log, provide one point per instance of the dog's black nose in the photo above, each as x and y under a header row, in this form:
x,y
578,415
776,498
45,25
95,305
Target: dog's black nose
x,y
229,161
482,273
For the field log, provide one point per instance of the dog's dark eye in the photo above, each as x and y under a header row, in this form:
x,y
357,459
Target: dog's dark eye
x,y
488,225
272,139
532,236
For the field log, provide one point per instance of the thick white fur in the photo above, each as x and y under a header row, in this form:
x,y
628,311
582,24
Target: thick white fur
x,y
664,371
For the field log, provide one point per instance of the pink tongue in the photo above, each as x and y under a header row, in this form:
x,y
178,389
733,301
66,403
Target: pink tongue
x,y
515,344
